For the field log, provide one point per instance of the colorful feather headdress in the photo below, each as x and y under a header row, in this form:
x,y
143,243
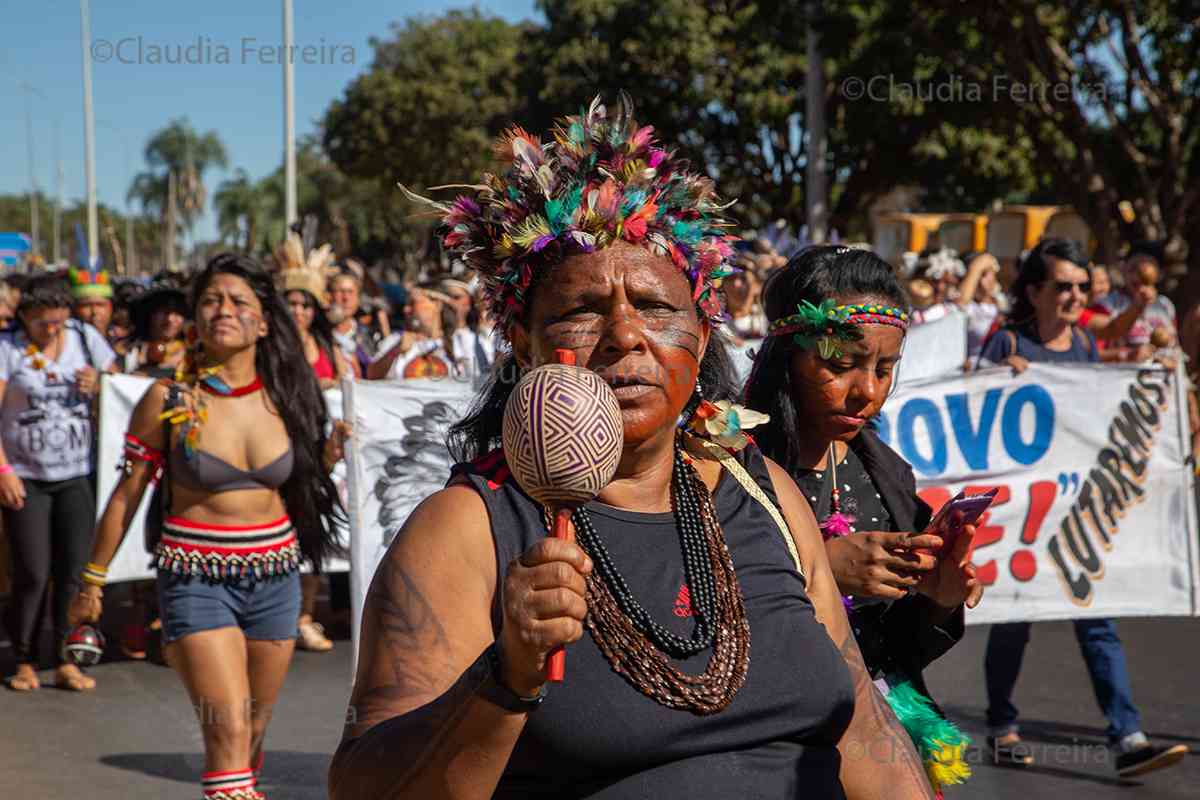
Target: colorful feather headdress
x,y
88,280
309,273
601,179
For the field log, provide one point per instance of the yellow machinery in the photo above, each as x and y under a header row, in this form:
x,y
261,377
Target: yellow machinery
x,y
1016,228
897,233
964,233
1067,224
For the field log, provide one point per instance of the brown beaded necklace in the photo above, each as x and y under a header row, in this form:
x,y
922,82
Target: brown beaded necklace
x,y
638,649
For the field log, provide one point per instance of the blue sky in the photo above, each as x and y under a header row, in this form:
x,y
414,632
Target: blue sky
x,y
242,100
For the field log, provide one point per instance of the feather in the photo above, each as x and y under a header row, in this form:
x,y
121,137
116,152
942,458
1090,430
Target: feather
x,y
532,229
941,744
416,198
643,137
608,199
586,241
836,524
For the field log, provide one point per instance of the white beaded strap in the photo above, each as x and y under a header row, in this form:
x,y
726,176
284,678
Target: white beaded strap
x,y
754,490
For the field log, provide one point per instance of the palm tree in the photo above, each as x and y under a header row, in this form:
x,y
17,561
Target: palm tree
x,y
179,149
241,208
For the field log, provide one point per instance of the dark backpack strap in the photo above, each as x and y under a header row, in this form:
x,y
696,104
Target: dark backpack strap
x,y
87,349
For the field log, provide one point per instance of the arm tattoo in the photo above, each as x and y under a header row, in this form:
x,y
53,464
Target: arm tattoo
x,y
411,635
388,759
893,744
389,756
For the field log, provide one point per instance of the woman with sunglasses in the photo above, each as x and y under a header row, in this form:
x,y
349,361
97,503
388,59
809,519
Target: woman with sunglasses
x,y
1049,295
48,379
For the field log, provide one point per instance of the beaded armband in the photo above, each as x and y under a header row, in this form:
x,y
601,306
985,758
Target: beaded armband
x,y
94,575
137,450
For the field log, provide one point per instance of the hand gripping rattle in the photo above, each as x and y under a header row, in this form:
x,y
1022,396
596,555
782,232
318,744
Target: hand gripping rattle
x,y
562,440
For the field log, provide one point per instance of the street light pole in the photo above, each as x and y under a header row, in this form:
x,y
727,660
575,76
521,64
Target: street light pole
x,y
33,187
289,121
89,134
56,249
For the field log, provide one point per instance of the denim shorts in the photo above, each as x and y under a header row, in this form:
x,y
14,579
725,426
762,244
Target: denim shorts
x,y
264,608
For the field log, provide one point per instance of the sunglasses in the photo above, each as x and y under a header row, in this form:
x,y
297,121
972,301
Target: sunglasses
x,y
1062,287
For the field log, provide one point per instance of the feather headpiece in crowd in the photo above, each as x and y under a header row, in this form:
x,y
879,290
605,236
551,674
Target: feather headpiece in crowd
x,y
934,265
88,280
307,272
601,178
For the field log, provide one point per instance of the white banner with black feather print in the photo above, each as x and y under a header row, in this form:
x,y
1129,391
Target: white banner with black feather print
x,y
396,458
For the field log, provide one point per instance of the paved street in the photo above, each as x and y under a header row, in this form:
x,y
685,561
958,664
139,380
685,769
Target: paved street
x,y
135,737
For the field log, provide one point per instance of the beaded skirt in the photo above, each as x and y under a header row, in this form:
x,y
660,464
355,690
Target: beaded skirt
x,y
228,552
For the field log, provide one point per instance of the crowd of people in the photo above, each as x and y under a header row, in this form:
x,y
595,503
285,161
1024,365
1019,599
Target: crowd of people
x,y
815,554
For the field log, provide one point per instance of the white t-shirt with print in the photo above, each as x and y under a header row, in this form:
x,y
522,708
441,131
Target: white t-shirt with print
x,y
46,423
425,347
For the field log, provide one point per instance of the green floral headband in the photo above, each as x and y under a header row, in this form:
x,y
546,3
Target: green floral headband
x,y
828,326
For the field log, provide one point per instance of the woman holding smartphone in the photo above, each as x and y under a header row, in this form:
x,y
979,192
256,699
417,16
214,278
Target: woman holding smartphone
x,y
837,322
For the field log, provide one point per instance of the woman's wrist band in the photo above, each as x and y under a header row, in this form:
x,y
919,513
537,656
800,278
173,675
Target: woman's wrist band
x,y
94,575
5,469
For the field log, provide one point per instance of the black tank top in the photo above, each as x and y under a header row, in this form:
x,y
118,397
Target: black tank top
x,y
596,736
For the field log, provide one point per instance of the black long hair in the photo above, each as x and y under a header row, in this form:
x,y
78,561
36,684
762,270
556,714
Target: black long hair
x,y
814,274
480,431
309,494
321,328
1034,271
48,292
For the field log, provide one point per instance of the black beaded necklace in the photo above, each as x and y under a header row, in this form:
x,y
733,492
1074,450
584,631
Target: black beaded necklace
x,y
697,566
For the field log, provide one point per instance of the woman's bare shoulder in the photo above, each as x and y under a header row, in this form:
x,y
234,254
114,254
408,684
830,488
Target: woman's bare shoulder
x,y
451,523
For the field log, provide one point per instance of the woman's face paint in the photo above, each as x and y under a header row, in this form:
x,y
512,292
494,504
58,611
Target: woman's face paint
x,y
229,315
628,315
836,397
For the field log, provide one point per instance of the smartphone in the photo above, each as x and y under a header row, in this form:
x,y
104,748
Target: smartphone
x,y
948,523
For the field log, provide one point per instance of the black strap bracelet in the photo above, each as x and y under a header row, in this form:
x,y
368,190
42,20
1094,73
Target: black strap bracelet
x,y
494,690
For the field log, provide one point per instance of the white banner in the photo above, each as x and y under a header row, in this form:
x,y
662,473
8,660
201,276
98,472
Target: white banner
x,y
118,397
934,348
397,457
1096,515
119,394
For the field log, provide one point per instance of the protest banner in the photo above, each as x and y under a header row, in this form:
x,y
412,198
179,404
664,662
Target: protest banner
x,y
1095,516
396,458
935,348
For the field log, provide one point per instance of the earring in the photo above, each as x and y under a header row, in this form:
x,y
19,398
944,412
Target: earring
x,y
693,403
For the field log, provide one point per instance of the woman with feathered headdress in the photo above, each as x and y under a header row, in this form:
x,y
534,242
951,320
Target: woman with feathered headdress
x,y
302,279
602,242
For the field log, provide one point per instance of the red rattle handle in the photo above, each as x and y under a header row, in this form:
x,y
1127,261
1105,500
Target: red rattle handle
x,y
556,662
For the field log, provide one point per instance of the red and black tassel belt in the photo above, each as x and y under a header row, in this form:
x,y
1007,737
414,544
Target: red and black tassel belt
x,y
228,552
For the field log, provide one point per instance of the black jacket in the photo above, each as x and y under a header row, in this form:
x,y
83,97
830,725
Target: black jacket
x,y
898,637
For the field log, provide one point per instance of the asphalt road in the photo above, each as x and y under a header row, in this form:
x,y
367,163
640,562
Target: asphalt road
x,y
135,737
